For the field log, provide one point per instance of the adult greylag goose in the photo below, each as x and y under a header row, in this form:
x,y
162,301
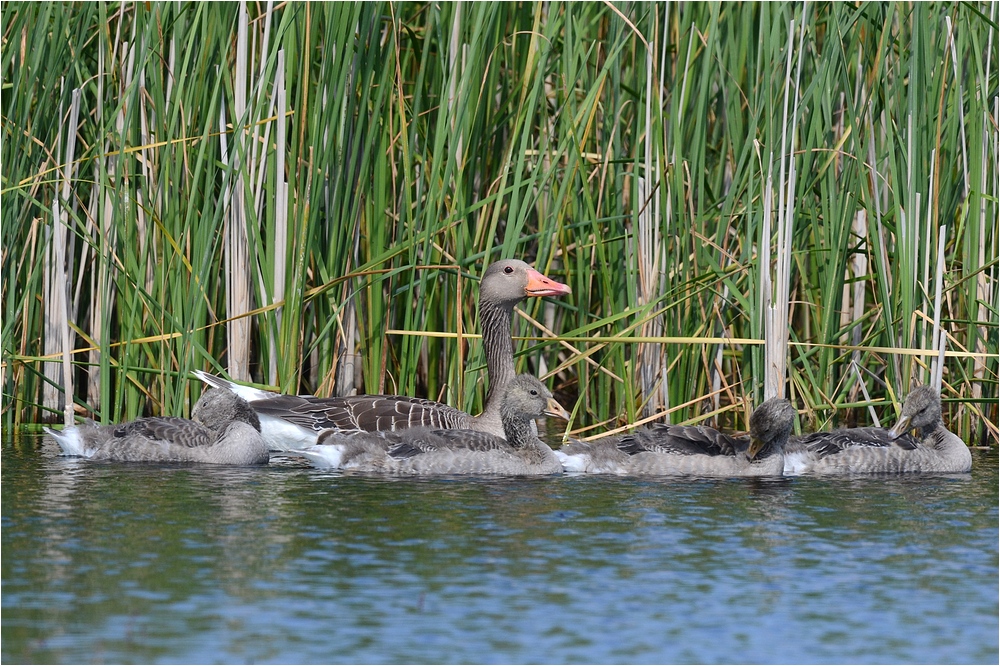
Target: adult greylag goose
x,y
670,450
425,451
293,422
877,450
225,431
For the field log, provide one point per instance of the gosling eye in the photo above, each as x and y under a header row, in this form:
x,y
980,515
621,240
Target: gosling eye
x,y
534,392
508,269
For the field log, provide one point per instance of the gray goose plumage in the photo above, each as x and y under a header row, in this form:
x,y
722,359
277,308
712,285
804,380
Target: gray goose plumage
x,y
225,430
877,450
424,451
670,450
294,422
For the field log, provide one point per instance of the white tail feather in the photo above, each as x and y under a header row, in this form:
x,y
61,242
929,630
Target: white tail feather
x,y
573,463
323,456
70,440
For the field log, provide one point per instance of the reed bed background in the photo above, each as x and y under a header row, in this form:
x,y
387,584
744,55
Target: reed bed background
x,y
300,195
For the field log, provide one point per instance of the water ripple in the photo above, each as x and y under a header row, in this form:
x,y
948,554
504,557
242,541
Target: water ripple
x,y
169,564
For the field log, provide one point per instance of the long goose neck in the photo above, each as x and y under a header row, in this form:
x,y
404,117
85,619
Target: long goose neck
x,y
498,345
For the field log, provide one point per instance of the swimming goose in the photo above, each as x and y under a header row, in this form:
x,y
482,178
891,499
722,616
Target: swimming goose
x,y
423,451
671,450
877,450
293,422
225,430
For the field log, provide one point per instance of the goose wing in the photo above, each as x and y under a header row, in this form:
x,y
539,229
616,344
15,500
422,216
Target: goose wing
x,y
362,412
472,441
833,442
175,430
683,440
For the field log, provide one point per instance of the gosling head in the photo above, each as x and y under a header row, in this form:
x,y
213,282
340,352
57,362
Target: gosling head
x,y
527,398
770,425
218,407
921,410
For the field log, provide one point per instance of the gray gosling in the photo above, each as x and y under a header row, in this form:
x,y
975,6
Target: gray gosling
x,y
881,451
670,450
424,451
225,431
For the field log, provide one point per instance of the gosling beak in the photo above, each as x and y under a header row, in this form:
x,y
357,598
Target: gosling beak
x,y
539,285
755,446
901,428
555,410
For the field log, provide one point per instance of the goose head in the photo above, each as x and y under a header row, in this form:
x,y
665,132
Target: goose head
x,y
509,281
218,407
770,425
921,410
526,398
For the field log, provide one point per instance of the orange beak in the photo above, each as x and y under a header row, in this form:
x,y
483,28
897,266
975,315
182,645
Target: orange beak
x,y
539,285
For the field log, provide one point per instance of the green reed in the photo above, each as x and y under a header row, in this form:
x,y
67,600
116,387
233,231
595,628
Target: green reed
x,y
270,190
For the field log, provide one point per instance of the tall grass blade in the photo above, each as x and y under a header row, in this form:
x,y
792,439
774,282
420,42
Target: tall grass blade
x,y
279,189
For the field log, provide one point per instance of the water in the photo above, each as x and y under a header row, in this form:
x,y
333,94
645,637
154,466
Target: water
x,y
140,563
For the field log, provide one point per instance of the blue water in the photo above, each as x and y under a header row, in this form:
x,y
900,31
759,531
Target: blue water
x,y
140,563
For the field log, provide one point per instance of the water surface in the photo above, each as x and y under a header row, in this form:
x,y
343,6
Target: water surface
x,y
139,563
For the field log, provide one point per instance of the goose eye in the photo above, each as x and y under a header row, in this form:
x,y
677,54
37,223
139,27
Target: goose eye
x,y
508,269
534,392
